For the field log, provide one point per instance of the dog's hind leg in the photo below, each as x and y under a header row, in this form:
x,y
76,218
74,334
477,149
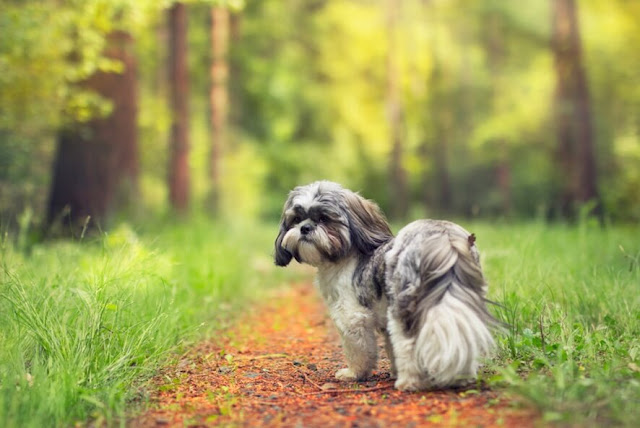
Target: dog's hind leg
x,y
409,375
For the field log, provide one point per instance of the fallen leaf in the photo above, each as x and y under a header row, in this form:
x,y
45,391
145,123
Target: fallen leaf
x,y
242,378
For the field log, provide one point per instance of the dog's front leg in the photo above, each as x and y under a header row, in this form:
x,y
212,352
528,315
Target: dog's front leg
x,y
358,343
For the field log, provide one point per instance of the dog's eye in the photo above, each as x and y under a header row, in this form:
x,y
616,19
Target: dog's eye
x,y
324,219
296,220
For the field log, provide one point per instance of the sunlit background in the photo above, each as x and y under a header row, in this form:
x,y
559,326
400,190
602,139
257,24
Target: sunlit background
x,y
461,108
162,137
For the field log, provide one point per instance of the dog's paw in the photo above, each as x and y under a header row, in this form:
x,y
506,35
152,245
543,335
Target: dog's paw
x,y
346,374
463,383
408,384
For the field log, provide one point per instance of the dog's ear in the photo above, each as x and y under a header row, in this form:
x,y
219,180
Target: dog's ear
x,y
282,256
368,225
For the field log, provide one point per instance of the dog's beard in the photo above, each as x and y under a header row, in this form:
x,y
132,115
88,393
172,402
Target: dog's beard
x,y
314,248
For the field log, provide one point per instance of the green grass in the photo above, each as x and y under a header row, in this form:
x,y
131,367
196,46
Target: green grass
x,y
571,296
82,325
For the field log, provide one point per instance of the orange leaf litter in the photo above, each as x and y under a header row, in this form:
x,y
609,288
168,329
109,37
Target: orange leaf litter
x,y
276,366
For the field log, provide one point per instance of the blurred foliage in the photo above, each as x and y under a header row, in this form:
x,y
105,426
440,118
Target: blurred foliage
x,y
308,99
47,48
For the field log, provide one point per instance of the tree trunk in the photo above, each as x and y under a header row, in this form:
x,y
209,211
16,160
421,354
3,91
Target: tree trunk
x,y
575,155
82,185
442,122
496,52
440,118
179,84
124,120
399,191
96,164
218,97
503,175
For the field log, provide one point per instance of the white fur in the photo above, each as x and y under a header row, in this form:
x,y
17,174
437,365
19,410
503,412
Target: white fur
x,y
449,330
447,350
451,342
307,250
408,372
452,338
305,197
356,324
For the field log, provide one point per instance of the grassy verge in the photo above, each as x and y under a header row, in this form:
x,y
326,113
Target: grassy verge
x,y
83,324
572,298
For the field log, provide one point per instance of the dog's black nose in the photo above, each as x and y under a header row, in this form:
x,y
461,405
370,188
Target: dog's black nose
x,y
306,228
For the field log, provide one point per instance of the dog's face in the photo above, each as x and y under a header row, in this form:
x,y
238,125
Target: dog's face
x,y
323,223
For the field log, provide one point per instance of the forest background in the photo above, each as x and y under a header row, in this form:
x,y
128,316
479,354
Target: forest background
x,y
164,137
439,108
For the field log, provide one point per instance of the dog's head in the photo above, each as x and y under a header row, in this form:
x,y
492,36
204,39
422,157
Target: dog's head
x,y
323,222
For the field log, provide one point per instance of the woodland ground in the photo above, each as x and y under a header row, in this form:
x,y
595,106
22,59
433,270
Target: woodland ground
x,y
276,366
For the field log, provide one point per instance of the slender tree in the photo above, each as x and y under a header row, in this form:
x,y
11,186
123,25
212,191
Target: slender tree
x,y
179,92
435,146
399,190
98,160
443,123
218,97
125,96
496,52
575,156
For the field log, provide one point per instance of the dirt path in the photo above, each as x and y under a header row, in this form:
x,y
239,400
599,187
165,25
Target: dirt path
x,y
276,369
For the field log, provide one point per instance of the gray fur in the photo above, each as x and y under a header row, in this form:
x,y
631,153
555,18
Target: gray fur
x,y
424,290
369,278
420,271
344,219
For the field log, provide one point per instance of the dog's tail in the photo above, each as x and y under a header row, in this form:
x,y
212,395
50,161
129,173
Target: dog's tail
x,y
451,322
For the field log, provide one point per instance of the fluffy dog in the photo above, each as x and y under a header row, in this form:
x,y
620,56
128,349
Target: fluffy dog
x,y
423,290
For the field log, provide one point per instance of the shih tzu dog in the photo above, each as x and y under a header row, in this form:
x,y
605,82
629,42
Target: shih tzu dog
x,y
423,290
